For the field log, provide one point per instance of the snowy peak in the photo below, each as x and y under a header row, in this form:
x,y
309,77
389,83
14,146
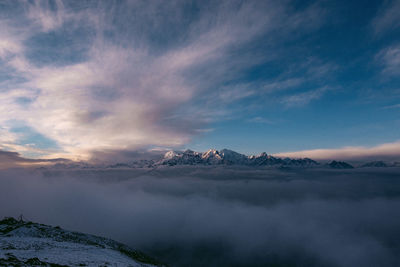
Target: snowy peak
x,y
173,154
340,165
212,156
263,154
232,157
188,157
210,153
227,153
170,154
190,152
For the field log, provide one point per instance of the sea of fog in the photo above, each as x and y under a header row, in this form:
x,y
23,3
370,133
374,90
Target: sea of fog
x,y
222,216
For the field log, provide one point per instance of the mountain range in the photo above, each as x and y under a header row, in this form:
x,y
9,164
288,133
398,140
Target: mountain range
x,y
229,157
224,157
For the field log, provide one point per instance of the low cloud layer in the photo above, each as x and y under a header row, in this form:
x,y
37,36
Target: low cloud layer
x,y
389,151
222,216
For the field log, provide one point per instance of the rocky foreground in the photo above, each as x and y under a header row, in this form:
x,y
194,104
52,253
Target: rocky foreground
x,y
25,243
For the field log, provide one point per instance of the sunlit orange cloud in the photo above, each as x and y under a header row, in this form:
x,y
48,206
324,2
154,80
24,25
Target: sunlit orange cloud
x,y
383,151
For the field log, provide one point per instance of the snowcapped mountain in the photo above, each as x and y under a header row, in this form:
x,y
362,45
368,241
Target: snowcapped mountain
x,y
212,157
31,244
232,157
171,154
265,159
229,157
187,157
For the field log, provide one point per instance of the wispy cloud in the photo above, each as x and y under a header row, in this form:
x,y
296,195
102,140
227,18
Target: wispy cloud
x,y
390,59
260,120
392,106
283,84
387,17
302,99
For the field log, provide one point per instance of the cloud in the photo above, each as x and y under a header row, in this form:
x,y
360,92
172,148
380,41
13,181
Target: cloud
x,y
8,47
387,17
10,159
13,159
392,106
221,216
118,156
260,120
390,59
303,98
114,76
283,84
234,93
389,151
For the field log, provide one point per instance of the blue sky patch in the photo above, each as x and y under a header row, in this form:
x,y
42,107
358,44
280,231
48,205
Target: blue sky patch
x,y
28,136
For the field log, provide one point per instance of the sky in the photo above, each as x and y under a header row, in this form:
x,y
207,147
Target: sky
x,y
286,77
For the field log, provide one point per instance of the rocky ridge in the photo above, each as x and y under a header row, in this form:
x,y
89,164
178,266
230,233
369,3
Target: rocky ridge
x,y
24,243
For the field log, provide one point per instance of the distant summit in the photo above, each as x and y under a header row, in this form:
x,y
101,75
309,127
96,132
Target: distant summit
x,y
379,164
340,165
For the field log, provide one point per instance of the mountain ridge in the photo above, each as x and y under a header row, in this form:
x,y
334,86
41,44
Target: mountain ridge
x,y
223,157
230,157
25,243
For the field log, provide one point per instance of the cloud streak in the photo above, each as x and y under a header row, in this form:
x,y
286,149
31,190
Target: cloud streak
x,y
390,59
389,151
387,17
303,98
15,160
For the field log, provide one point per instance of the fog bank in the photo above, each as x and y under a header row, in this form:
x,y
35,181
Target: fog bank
x,y
216,216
